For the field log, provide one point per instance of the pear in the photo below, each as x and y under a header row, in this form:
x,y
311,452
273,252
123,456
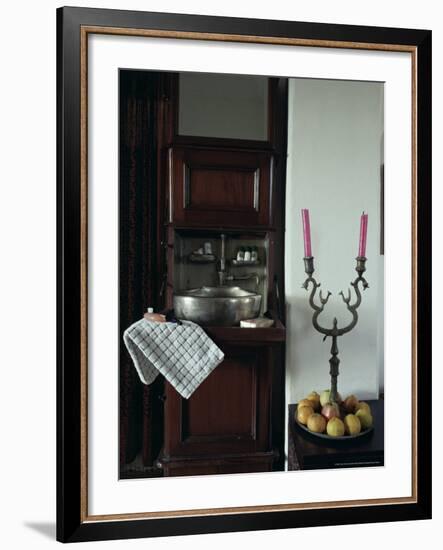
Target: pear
x,y
303,414
315,399
365,418
317,423
324,397
335,427
362,405
305,403
352,424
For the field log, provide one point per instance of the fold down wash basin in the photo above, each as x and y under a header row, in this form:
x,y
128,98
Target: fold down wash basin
x,y
216,306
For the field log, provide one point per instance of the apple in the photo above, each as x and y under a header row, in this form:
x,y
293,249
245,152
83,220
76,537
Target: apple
x,y
335,427
352,424
365,418
350,403
362,405
330,410
303,414
315,398
317,423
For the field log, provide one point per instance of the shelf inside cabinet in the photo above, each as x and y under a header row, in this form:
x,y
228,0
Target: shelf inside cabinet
x,y
251,336
201,258
244,263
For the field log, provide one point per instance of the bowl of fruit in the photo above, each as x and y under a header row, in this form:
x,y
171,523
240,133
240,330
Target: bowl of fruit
x,y
339,420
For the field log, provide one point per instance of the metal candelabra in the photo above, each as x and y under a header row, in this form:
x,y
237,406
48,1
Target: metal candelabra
x,y
335,332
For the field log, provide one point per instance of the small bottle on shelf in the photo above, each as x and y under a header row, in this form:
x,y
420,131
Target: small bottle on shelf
x,y
254,254
247,254
240,255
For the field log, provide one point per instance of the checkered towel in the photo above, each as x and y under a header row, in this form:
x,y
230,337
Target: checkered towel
x,y
184,354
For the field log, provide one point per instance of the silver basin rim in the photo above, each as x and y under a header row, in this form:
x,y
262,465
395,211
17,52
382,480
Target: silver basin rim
x,y
216,293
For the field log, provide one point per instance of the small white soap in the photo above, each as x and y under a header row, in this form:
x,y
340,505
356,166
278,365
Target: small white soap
x,y
259,322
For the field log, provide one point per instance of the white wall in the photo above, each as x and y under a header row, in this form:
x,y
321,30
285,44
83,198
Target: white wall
x,y
334,157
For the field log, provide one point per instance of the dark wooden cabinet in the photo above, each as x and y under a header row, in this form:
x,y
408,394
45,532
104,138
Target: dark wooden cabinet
x,y
225,426
220,187
234,421
229,424
175,188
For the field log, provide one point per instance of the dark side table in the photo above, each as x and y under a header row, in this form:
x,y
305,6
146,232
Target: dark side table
x,y
308,452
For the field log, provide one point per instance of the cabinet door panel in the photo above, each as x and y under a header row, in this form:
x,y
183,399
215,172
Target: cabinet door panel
x,y
228,413
224,407
220,187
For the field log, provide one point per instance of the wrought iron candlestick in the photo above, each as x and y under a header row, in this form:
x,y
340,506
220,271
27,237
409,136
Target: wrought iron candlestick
x,y
335,332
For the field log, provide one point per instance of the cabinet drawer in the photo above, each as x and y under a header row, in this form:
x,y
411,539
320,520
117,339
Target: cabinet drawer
x,y
229,188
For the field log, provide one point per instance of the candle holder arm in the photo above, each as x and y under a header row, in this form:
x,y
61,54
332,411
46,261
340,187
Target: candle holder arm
x,y
352,308
316,307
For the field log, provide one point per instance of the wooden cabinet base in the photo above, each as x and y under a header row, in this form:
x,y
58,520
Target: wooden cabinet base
x,y
228,424
234,464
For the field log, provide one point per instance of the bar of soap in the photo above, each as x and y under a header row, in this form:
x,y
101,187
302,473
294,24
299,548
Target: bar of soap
x,y
259,322
155,317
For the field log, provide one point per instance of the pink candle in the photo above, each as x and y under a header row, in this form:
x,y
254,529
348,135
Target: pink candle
x,y
363,235
306,232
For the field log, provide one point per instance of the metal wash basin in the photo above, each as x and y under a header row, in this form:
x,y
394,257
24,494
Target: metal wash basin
x,y
216,305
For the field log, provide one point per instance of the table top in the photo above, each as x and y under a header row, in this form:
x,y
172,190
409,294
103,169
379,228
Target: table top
x,y
316,452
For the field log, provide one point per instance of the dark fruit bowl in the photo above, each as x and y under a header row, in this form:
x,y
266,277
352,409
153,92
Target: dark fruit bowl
x,y
363,433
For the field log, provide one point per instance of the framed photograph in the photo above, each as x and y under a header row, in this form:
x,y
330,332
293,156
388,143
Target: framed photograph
x,y
244,274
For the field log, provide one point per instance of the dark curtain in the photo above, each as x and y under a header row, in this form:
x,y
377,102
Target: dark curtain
x,y
140,410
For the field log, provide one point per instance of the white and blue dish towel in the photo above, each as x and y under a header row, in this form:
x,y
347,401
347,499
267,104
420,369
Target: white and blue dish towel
x,y
184,354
